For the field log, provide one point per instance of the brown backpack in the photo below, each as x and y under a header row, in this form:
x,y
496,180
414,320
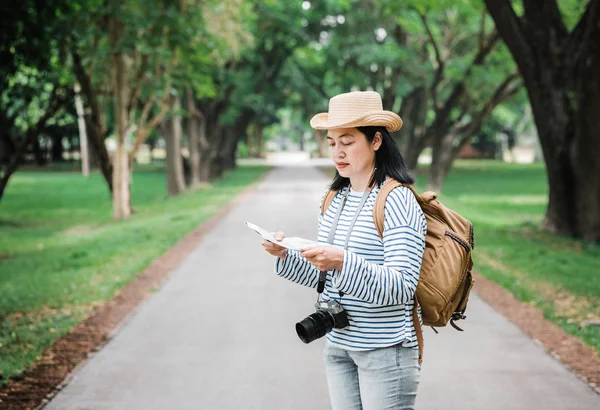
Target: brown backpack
x,y
445,279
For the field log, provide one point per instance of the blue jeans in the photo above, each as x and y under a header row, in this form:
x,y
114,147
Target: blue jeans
x,y
385,378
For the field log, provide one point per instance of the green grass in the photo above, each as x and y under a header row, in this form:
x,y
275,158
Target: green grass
x,y
61,253
506,203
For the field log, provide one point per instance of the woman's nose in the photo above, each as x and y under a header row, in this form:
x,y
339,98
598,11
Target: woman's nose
x,y
338,152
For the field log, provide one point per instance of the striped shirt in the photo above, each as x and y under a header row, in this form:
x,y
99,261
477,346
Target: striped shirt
x,y
378,278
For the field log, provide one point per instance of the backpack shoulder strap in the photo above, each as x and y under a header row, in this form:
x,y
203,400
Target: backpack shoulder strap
x,y
327,199
378,216
387,187
379,208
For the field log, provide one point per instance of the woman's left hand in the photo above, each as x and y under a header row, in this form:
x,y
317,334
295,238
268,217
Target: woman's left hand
x,y
324,257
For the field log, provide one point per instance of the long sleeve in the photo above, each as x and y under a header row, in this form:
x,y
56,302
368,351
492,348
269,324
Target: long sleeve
x,y
297,269
394,282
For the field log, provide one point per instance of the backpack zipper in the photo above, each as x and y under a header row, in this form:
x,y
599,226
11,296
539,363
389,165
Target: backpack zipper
x,y
471,238
464,275
460,241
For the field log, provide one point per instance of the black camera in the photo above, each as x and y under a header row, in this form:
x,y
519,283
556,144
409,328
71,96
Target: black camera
x,y
329,314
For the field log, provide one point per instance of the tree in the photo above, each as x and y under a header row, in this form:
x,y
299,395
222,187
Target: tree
x,y
228,26
437,63
465,77
248,88
33,87
561,72
144,44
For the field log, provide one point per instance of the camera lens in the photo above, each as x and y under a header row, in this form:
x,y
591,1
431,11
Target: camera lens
x,y
314,326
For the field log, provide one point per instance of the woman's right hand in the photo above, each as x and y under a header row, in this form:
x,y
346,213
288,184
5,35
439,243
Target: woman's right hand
x,y
275,249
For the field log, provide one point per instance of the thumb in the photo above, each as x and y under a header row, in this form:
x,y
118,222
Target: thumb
x,y
278,235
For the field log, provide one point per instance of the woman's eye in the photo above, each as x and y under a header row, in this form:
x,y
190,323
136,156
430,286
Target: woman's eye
x,y
347,144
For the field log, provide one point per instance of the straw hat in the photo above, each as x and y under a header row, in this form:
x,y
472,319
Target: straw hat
x,y
356,109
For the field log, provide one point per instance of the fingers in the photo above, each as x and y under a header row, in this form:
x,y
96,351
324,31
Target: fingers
x,y
271,246
274,249
310,253
324,257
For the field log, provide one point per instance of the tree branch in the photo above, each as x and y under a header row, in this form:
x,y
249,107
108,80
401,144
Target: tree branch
x,y
144,132
545,14
389,93
586,29
144,128
90,93
192,106
436,49
510,27
482,30
146,111
439,71
442,115
137,85
56,101
318,86
502,92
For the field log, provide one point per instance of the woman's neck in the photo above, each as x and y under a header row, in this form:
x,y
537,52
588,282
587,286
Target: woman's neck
x,y
360,182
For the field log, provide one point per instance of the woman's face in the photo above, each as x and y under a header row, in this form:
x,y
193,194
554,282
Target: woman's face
x,y
351,152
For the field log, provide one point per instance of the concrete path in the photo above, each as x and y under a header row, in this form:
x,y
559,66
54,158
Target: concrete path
x,y
220,335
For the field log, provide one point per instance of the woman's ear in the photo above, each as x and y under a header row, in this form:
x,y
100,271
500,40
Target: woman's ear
x,y
377,140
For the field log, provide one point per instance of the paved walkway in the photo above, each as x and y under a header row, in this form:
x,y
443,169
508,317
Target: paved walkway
x,y
220,335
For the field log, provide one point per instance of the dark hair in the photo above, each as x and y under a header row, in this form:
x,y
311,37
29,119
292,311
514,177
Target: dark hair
x,y
388,161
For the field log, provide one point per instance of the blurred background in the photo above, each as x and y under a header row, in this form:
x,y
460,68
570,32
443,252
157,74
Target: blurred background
x,y
125,124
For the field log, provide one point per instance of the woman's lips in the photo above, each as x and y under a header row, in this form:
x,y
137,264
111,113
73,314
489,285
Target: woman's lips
x,y
341,165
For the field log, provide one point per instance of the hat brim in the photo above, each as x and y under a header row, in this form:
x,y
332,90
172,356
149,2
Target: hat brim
x,y
390,120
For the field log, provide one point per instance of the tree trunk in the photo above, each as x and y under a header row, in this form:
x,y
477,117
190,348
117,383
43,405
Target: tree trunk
x,y
250,141
193,140
301,138
94,121
232,163
57,149
206,164
205,154
321,143
413,141
7,145
98,149
441,161
121,184
561,72
570,143
230,136
120,177
14,161
259,140
38,153
448,142
586,146
175,179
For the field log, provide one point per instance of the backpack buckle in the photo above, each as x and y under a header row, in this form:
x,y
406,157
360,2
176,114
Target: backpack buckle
x,y
457,316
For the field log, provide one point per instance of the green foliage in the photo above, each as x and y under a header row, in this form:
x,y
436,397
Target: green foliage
x,y
572,10
62,255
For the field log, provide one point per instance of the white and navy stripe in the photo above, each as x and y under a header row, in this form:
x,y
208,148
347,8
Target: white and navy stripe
x,y
378,278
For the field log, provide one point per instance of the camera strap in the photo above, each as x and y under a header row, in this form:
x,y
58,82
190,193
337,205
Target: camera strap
x,y
334,224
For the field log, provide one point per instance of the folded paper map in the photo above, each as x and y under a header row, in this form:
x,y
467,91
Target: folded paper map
x,y
293,243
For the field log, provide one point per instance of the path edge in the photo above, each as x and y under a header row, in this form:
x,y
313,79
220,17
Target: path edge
x,y
57,364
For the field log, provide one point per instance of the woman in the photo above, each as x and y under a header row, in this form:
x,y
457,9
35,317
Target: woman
x,y
373,362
